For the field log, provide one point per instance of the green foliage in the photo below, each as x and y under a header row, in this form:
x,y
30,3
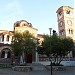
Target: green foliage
x,y
28,41
47,44
40,50
22,42
68,44
17,43
57,48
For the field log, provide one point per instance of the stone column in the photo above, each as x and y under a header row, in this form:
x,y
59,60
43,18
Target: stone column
x,y
4,39
10,39
37,58
6,53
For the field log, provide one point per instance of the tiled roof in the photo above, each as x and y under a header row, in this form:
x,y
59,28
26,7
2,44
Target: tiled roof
x,y
5,32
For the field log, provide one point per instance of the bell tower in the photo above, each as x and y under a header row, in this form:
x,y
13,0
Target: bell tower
x,y
65,17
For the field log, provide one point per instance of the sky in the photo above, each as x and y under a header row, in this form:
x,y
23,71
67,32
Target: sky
x,y
40,13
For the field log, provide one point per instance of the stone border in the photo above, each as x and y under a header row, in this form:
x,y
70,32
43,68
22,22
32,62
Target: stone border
x,y
56,68
22,68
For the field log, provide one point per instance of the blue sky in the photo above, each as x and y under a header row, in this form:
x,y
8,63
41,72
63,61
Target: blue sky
x,y
41,13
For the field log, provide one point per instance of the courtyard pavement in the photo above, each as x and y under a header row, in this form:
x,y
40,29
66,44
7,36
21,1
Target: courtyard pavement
x,y
11,72
38,70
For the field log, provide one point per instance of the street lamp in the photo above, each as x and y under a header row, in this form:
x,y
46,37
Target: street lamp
x,y
50,31
50,46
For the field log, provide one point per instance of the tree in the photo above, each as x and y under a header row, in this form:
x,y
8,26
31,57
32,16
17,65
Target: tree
x,y
17,43
68,45
23,44
28,43
56,48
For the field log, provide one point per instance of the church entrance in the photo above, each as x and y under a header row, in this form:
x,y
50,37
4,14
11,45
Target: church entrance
x,y
29,58
6,56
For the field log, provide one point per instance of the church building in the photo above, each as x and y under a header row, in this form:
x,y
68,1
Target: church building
x,y
66,28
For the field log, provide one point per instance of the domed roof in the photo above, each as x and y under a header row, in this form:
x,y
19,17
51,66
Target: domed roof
x,y
22,23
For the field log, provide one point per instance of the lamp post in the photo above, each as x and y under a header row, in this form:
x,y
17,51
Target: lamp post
x,y
50,46
50,31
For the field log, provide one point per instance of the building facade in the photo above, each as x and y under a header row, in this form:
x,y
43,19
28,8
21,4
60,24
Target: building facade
x,y
66,28
6,53
5,36
65,18
22,26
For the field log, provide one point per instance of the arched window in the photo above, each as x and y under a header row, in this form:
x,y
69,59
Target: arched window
x,y
17,25
68,12
62,32
60,13
70,31
2,37
23,24
7,39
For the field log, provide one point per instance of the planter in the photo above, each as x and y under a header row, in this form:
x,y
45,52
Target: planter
x,y
22,68
56,68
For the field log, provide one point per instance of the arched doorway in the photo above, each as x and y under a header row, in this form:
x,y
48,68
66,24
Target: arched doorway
x,y
29,58
6,53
